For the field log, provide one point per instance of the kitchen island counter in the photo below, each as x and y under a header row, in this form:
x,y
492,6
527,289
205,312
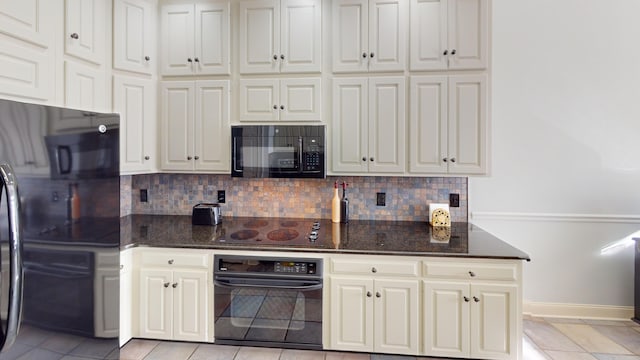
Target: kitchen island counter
x,y
356,237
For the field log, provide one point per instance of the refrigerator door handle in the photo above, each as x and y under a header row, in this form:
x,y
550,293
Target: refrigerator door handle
x,y
15,248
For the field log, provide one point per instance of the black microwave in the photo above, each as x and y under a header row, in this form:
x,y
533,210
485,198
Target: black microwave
x,y
278,151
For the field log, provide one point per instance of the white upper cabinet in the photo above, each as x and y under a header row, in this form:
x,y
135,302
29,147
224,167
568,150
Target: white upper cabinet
x,y
195,38
280,36
85,87
85,29
195,133
449,34
369,35
27,50
448,124
368,130
134,36
295,100
28,21
134,99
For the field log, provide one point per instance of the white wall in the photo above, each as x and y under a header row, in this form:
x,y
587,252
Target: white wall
x,y
565,141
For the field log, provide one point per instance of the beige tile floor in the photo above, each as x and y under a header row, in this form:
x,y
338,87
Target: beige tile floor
x,y
543,339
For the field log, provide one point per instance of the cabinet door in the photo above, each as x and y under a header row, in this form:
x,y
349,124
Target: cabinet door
x,y
26,73
190,305
387,35
446,314
350,35
387,121
211,128
156,304
351,318
133,36
300,99
29,21
177,48
467,124
84,87
212,38
349,130
428,35
176,133
107,303
493,321
428,124
301,35
126,296
468,33
85,29
260,37
396,316
259,99
135,100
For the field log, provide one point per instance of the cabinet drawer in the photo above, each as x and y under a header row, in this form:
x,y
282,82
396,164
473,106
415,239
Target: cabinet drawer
x,y
175,259
375,267
471,271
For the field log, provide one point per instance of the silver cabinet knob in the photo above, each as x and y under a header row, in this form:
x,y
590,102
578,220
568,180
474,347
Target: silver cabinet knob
x,y
453,160
453,52
374,270
378,294
364,55
175,285
197,157
371,55
476,299
371,159
147,58
170,262
466,299
368,293
281,107
147,157
189,158
275,57
445,160
121,267
196,60
282,56
275,107
166,284
74,36
189,60
364,158
472,274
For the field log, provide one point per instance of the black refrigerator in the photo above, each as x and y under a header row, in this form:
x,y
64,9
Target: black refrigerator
x,y
59,233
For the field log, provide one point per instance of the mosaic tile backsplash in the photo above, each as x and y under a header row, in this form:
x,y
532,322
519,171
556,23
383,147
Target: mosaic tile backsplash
x,y
407,198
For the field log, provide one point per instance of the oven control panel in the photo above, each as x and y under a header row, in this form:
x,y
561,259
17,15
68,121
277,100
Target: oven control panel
x,y
290,267
263,266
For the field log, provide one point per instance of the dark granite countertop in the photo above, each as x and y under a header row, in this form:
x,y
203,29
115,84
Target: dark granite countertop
x,y
356,237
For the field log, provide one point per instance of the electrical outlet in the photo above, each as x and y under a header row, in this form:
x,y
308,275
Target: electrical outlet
x,y
144,195
222,197
454,200
381,199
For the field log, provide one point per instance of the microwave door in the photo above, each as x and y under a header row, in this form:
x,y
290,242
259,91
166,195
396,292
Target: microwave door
x,y
11,276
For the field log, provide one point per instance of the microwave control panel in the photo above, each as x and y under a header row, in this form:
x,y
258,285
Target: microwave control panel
x,y
313,156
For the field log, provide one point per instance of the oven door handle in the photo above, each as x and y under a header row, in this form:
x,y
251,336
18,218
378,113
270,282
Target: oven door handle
x,y
231,282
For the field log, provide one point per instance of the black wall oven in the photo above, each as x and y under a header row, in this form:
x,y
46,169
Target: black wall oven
x,y
278,151
264,301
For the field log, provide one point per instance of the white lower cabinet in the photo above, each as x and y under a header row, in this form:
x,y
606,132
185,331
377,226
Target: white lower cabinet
x,y
472,309
469,320
126,295
174,295
374,313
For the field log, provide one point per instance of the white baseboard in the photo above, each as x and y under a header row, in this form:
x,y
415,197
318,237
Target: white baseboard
x,y
579,311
